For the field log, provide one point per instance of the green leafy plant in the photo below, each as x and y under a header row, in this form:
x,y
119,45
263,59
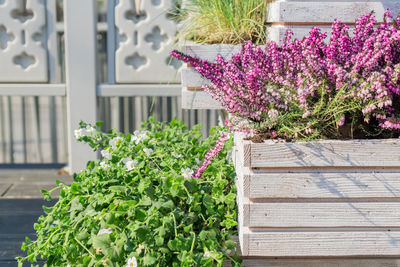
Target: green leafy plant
x,y
224,21
140,206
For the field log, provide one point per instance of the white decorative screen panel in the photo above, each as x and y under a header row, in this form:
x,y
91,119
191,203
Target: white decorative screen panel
x,y
146,35
23,55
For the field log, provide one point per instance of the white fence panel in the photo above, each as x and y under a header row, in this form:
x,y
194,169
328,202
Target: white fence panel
x,y
23,53
145,36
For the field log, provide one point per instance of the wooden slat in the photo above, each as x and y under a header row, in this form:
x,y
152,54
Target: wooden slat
x,y
138,90
314,214
209,52
198,100
260,262
354,153
323,243
32,89
278,32
327,11
322,185
191,78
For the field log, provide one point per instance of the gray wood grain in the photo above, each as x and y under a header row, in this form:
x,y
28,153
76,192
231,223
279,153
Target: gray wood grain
x,y
332,153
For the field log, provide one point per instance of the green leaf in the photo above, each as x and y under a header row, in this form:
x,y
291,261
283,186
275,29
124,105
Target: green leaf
x,y
118,189
83,235
149,260
75,188
208,201
191,185
159,240
102,241
203,235
140,215
173,245
46,195
145,201
90,165
169,205
58,182
76,204
110,218
142,233
230,244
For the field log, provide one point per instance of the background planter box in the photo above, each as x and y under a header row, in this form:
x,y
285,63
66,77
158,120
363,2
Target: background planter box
x,y
319,199
193,97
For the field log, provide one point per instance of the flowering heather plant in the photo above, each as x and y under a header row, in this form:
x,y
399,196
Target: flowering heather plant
x,y
347,87
139,205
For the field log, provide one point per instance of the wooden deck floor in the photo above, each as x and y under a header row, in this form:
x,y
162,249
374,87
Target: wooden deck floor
x,y
20,205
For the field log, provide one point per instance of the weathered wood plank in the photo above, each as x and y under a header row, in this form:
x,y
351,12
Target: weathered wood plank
x,y
322,185
257,262
332,153
30,190
325,214
324,243
210,51
198,100
10,247
4,188
278,32
24,206
191,78
328,11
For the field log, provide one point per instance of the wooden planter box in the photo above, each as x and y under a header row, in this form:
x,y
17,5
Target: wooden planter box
x,y
318,199
193,97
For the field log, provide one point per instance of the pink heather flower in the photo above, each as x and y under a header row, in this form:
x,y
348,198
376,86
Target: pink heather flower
x,y
388,14
260,82
342,120
212,154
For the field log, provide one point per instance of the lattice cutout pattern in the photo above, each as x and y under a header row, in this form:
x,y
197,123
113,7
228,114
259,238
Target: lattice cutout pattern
x,y
145,37
23,53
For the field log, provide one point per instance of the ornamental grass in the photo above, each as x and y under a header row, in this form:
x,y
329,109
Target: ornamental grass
x,y
224,21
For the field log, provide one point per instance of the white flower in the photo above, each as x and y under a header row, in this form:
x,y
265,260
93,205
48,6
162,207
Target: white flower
x,y
115,141
148,151
138,136
106,154
176,155
130,165
207,254
187,173
132,262
90,130
124,161
153,142
104,165
79,133
68,265
198,162
105,231
139,249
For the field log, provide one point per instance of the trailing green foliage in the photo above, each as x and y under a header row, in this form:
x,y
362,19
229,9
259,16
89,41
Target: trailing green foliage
x,y
138,205
224,21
